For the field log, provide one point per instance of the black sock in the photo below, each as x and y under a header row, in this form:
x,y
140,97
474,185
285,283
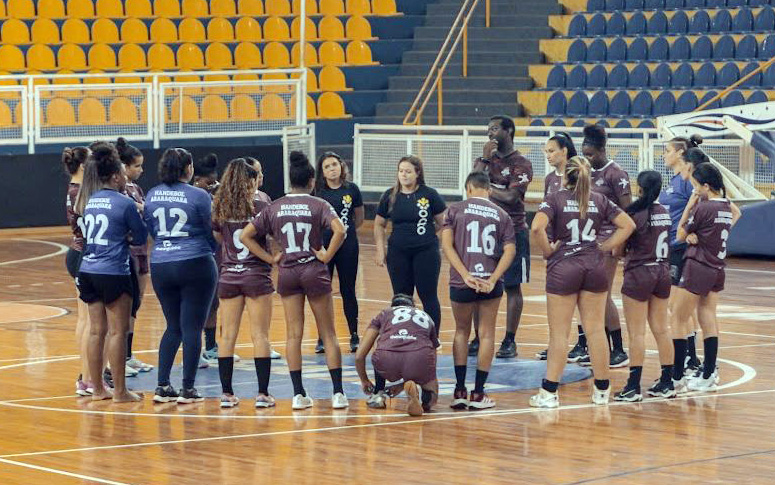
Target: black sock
x,y
379,383
481,378
550,386
582,337
298,388
608,338
602,384
667,373
616,340
634,379
263,370
711,352
210,338
680,356
226,370
509,337
475,339
129,337
426,397
460,377
336,379
691,346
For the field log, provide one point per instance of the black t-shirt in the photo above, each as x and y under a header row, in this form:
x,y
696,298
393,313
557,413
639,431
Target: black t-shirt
x,y
344,200
412,216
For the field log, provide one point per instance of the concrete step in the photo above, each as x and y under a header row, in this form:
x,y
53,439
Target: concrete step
x,y
476,69
532,27
489,83
523,53
454,96
512,8
498,34
474,110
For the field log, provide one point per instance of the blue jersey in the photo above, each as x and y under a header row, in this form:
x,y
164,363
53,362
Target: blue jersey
x,y
178,219
675,197
109,221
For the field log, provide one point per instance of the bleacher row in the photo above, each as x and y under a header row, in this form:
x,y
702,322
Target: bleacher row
x,y
608,123
612,5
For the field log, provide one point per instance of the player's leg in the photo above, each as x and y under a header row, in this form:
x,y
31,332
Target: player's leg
x,y
118,314
613,326
323,309
231,316
685,304
488,312
706,311
98,330
559,312
142,285
347,269
517,274
164,281
635,313
659,322
592,309
463,313
426,266
293,305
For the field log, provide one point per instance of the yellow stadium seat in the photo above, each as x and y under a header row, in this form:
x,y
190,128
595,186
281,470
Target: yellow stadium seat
x,y
248,29
358,7
138,8
331,28
75,31
191,30
312,7
310,31
166,8
161,57
71,56
312,81
122,111
135,31
214,109
40,57
102,56
275,28
226,89
111,9
276,55
93,81
11,58
104,30
188,109
80,9
273,107
383,7
194,8
220,30
331,7
246,89
223,8
190,57
332,79
331,53
6,117
163,31
51,9
91,111
278,7
59,112
310,55
311,108
243,108
358,28
123,91
70,93
218,57
247,56
45,31
8,82
330,105
189,78
3,13
276,88
250,7
21,9
18,114
132,56
358,53
14,31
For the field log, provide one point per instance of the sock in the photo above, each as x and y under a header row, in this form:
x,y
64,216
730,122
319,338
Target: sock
x,y
509,337
711,352
481,378
129,337
667,373
336,379
616,340
680,357
460,377
550,386
296,380
582,337
210,338
263,369
608,337
226,370
602,384
426,397
634,379
691,346
475,339
379,383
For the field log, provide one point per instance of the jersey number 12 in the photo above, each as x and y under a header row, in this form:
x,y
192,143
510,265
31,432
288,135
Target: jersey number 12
x,y
176,231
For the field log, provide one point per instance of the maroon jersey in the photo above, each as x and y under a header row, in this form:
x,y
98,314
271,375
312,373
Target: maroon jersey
x,y
511,172
72,217
650,243
404,329
711,221
481,229
552,183
613,182
262,197
238,265
134,192
576,236
296,222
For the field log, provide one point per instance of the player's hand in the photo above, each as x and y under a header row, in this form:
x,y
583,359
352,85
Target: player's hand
x,y
692,239
322,255
394,390
277,257
140,207
367,386
489,149
379,258
471,282
488,285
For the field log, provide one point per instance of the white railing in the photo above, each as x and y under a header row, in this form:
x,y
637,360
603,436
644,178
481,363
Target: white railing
x,y
297,138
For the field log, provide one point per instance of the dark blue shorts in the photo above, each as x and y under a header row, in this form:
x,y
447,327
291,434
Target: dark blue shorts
x,y
519,271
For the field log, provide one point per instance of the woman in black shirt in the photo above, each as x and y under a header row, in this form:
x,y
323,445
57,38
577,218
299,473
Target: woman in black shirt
x,y
331,185
413,257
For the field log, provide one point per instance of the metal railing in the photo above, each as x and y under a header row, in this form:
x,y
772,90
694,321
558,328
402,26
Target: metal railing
x,y
735,85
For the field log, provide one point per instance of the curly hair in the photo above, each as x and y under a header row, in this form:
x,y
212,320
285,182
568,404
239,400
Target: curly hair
x,y
234,199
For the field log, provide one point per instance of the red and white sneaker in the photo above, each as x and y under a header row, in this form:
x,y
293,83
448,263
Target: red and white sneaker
x,y
82,388
460,399
480,400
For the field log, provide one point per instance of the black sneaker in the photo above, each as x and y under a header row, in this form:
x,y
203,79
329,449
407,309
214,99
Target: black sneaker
x,y
578,352
107,376
187,396
619,358
543,355
692,366
165,394
662,389
320,348
629,394
473,348
508,350
354,342
584,361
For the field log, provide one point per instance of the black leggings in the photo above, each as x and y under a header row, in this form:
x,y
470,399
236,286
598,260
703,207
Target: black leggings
x,y
185,290
417,268
346,263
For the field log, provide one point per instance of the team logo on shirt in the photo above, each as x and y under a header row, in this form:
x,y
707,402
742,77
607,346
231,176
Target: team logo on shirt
x,y
505,172
423,205
599,182
347,203
403,334
523,178
543,205
624,183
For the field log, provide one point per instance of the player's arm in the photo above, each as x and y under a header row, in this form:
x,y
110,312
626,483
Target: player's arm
x,y
625,226
136,227
624,200
438,219
509,253
506,196
358,217
682,232
248,238
736,212
380,225
367,342
218,237
325,255
538,231
448,246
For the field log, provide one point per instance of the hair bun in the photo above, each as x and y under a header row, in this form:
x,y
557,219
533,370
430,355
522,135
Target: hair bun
x,y
209,161
595,132
696,140
298,159
121,142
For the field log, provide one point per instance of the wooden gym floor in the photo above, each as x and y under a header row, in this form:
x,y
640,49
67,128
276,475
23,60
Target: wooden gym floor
x,y
50,436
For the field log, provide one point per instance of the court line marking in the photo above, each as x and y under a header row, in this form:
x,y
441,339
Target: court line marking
x,y
61,472
62,312
476,415
62,249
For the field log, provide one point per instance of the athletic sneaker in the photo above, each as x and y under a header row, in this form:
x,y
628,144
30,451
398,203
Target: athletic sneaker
x,y
414,407
188,396
107,379
542,355
480,400
600,397
680,386
354,343
428,399
82,388
704,385
339,401
229,401
274,355
508,350
320,348
301,402
165,394
460,399
662,389
545,399
578,352
264,401
692,366
130,372
619,358
473,348
584,361
139,365
376,400
211,356
203,363
698,375
629,394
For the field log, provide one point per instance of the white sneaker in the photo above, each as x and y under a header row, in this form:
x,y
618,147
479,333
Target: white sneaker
x,y
681,386
704,385
545,399
339,401
376,401
263,401
130,372
600,397
302,402
273,354
139,365
203,364
229,401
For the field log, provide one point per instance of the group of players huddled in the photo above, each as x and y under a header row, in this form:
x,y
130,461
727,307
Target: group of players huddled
x,y
214,246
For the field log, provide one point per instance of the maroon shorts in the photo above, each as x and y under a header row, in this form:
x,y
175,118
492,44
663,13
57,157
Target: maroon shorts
x,y
311,279
252,288
417,365
141,263
583,272
643,282
701,279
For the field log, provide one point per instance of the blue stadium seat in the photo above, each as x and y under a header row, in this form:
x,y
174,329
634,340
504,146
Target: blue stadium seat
x,y
577,78
598,104
638,50
754,81
643,104
735,98
639,76
595,5
557,104
596,25
683,76
664,104
653,4
578,26
707,97
681,50
538,122
597,51
597,77
757,97
736,3
604,123
579,123
679,24
695,4
728,75
747,47
558,122
611,5
659,50
700,23
743,21
646,124
674,4
715,3
637,24
619,77
702,48
556,78
724,48
623,124
705,76
633,5
661,77
617,50
620,104
657,23
686,103
758,3
577,51
768,78
765,21
722,22
616,24
578,104
767,49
